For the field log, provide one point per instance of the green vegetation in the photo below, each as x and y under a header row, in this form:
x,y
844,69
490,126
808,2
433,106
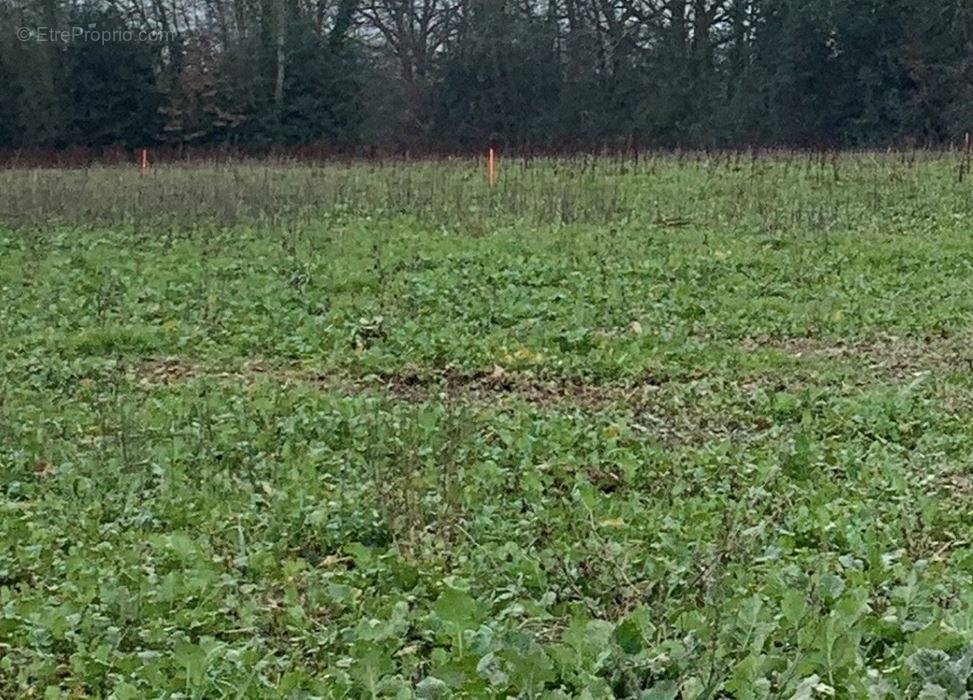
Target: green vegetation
x,y
695,427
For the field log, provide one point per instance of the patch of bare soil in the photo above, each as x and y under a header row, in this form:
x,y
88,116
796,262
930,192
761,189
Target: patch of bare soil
x,y
646,400
161,371
888,358
960,484
411,383
164,370
497,383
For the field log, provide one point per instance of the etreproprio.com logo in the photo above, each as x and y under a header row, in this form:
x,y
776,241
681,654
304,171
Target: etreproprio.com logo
x,y
68,35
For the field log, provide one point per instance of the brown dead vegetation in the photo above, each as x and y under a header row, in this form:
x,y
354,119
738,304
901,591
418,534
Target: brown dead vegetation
x,y
498,384
887,358
650,408
163,370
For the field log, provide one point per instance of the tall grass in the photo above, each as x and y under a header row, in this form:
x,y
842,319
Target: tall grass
x,y
771,190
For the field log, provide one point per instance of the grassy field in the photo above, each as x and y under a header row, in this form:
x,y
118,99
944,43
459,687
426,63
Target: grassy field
x,y
697,426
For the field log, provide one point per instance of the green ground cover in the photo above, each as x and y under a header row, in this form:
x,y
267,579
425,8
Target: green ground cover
x,y
688,428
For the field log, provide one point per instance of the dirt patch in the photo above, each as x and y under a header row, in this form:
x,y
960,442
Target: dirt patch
x,y
888,357
496,383
413,384
164,370
646,401
960,484
171,370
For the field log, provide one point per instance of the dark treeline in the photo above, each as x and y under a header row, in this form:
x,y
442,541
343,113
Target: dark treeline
x,y
394,75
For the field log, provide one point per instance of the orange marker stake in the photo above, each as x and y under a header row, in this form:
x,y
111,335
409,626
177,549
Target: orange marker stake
x,y
490,168
144,160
